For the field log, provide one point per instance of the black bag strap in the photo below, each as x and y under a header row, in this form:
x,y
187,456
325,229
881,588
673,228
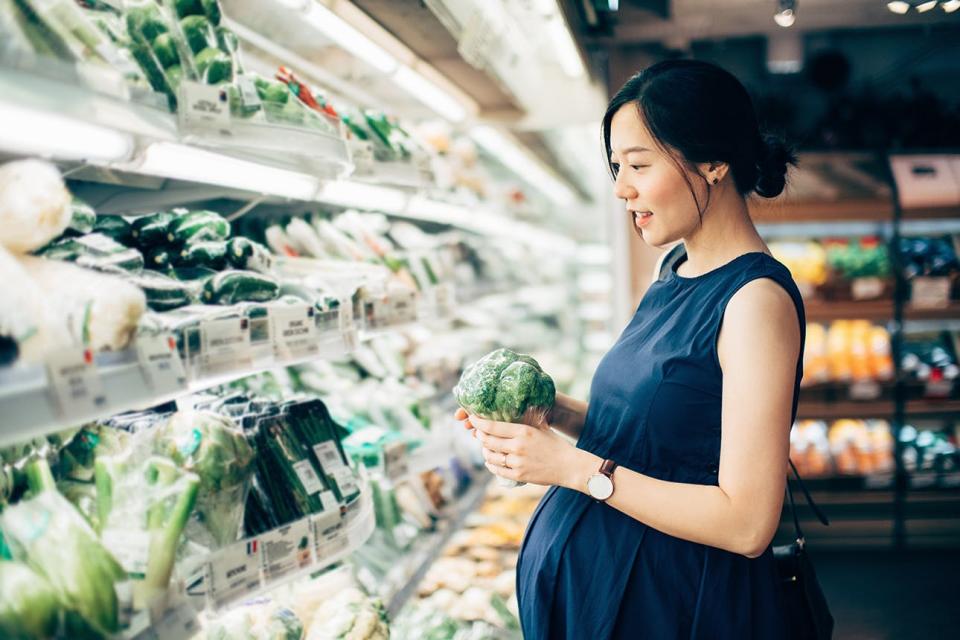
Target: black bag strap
x,y
793,507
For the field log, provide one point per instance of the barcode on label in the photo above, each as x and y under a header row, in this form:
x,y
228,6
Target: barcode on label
x,y
308,477
329,456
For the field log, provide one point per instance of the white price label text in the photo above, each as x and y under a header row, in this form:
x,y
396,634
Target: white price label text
x,y
287,549
76,383
161,364
234,570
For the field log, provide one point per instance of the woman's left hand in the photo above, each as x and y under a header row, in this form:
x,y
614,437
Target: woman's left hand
x,y
526,454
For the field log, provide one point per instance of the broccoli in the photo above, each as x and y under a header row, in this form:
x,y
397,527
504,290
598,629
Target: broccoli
x,y
506,386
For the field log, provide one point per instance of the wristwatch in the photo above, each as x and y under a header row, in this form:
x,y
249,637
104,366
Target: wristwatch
x,y
600,484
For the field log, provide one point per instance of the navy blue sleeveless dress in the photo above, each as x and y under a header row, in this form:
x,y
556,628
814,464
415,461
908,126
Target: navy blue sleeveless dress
x,y
588,571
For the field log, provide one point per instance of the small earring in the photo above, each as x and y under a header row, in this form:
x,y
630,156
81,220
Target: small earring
x,y
716,180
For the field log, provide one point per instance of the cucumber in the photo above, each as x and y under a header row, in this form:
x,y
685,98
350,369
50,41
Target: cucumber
x,y
82,218
214,66
244,253
165,49
210,253
198,33
229,287
163,293
95,251
151,230
197,226
158,258
114,227
211,8
188,8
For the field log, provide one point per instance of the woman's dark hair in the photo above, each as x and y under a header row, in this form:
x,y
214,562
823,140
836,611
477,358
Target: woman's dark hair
x,y
702,113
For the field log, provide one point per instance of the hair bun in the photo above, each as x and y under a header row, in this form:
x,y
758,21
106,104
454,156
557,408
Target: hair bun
x,y
773,156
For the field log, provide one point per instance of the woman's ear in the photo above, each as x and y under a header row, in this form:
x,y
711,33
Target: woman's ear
x,y
713,172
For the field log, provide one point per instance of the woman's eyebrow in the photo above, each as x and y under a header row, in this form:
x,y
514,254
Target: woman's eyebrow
x,y
634,150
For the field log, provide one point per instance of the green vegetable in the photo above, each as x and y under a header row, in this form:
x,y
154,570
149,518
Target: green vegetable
x,y
275,92
355,126
83,218
199,34
114,227
230,287
158,258
214,66
165,49
211,254
47,533
174,77
78,455
211,446
29,607
244,253
143,54
198,226
163,293
211,8
95,251
506,386
151,230
227,41
188,8
145,23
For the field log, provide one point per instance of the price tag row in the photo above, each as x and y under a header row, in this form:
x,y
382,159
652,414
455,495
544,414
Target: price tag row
x,y
245,567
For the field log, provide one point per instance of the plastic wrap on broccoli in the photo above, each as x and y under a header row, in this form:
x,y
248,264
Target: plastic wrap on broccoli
x,y
508,387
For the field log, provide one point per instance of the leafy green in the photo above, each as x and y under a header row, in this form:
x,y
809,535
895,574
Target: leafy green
x,y
29,606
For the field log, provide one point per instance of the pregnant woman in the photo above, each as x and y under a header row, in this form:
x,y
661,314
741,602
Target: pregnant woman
x,y
658,522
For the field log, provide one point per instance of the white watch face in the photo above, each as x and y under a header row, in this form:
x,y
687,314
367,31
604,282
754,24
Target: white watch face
x,y
600,486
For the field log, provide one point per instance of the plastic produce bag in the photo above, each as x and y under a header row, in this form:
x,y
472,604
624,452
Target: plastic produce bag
x,y
211,446
34,205
29,607
507,387
48,534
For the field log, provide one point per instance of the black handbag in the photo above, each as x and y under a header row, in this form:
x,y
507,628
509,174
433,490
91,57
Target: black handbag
x,y
807,613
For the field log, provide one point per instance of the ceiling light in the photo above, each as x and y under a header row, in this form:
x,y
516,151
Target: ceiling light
x,y
950,5
523,164
363,196
58,137
181,162
923,7
430,94
786,13
899,6
337,29
613,5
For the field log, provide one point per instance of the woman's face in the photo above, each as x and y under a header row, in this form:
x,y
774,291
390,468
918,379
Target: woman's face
x,y
649,181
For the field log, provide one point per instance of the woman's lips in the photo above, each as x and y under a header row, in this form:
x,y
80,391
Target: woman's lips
x,y
642,218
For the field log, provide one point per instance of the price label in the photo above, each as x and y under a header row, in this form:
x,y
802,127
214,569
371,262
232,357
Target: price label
x,y
203,106
865,390
329,501
330,534
345,481
225,343
287,549
866,288
76,383
308,477
348,327
161,364
402,308
930,293
248,92
294,331
395,460
234,571
329,456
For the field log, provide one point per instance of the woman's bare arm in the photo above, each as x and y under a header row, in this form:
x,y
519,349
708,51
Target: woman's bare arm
x,y
568,415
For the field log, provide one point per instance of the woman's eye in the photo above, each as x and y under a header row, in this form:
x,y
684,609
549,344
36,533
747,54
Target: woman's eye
x,y
615,167
637,167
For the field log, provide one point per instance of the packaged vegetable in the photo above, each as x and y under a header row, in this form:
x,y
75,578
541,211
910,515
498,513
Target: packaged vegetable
x,y
248,255
101,311
152,230
162,293
211,446
211,254
196,226
115,227
34,205
95,251
29,607
230,287
82,217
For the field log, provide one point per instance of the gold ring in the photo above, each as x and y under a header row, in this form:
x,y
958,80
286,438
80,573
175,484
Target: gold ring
x,y
504,465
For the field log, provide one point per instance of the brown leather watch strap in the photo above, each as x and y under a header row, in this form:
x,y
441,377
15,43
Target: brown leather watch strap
x,y
608,467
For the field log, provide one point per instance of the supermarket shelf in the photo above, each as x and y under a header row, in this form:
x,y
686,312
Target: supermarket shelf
x,y
931,213
826,311
868,210
844,409
949,312
415,565
949,409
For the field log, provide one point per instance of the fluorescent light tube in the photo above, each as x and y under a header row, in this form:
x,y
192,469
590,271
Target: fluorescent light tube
x,y
363,196
899,6
566,48
523,164
430,94
950,5
337,29
923,7
181,162
58,137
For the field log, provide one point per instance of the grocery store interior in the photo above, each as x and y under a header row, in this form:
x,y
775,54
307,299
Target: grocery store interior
x,y
249,247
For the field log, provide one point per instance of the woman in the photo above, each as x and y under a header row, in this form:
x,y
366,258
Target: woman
x,y
658,523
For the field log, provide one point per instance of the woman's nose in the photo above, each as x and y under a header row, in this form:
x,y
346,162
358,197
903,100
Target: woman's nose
x,y
622,190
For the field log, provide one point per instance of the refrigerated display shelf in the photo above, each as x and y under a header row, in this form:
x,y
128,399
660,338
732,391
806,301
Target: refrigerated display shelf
x,y
829,310
931,213
417,563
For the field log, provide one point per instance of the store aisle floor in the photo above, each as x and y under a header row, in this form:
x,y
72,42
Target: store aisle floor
x,y
892,596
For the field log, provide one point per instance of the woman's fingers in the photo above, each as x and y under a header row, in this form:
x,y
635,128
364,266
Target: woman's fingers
x,y
503,445
461,414
499,429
